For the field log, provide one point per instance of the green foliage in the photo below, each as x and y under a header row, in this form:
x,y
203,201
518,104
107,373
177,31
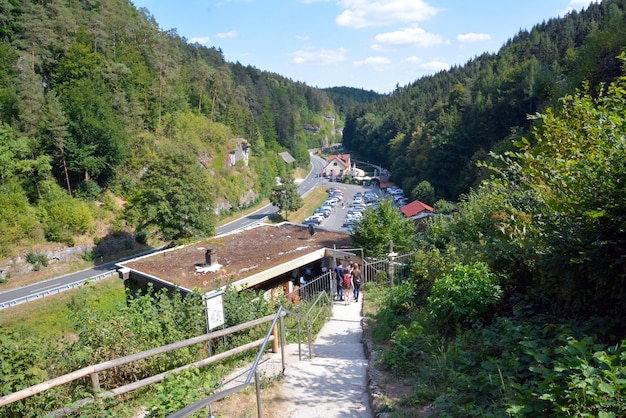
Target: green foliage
x,y
436,128
285,196
37,260
23,365
424,192
17,219
396,306
141,236
87,190
379,227
148,321
464,295
444,207
175,198
64,216
178,391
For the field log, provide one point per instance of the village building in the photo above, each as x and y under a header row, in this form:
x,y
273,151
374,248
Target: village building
x,y
416,208
337,166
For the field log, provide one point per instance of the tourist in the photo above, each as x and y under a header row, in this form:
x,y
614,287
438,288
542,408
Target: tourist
x,y
339,271
357,279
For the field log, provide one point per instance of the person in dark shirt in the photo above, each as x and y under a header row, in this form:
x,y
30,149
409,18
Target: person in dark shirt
x,y
339,270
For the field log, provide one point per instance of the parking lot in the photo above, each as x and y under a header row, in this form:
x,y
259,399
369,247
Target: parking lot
x,y
340,209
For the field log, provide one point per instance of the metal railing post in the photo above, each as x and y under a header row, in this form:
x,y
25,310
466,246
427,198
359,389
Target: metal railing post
x,y
299,341
259,407
282,342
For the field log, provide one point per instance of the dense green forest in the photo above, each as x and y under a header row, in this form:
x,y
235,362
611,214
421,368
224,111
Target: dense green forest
x,y
93,94
437,128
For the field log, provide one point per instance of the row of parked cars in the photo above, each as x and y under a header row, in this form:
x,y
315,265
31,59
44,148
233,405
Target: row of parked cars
x,y
335,197
397,194
360,202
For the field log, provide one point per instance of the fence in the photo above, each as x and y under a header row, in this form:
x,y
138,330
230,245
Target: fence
x,y
373,270
323,300
398,268
54,290
310,290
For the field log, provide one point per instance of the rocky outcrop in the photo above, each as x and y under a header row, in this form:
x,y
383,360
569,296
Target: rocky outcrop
x,y
20,265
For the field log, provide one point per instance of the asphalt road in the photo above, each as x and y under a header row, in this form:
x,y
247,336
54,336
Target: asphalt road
x,y
58,284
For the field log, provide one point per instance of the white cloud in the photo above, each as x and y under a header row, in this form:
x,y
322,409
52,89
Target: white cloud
x,y
377,63
435,66
200,40
319,56
473,37
302,37
413,60
229,34
364,13
409,36
580,4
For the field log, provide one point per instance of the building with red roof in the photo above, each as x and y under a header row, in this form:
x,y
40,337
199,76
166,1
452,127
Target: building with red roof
x,y
337,165
416,208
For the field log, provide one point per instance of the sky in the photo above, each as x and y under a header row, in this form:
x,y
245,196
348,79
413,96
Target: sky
x,y
370,44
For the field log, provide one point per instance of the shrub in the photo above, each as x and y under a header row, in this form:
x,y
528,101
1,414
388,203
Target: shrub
x,y
87,190
141,236
464,295
37,260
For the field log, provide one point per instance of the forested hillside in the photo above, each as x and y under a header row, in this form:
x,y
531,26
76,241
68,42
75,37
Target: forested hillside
x,y
437,128
94,94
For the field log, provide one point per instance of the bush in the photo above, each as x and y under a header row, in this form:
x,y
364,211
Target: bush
x,y
464,295
141,236
87,190
37,260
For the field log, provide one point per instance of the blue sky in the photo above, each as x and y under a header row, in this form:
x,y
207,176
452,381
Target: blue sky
x,y
369,44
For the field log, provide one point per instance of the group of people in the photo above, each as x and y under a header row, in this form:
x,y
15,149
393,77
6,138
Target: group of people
x,y
348,281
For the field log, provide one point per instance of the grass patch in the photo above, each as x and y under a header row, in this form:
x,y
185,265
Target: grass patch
x,y
48,317
312,201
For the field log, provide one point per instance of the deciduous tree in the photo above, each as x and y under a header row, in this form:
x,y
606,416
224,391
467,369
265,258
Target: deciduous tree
x,y
378,227
285,196
174,198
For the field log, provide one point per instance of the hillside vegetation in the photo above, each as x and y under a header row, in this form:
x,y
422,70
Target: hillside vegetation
x,y
100,107
437,128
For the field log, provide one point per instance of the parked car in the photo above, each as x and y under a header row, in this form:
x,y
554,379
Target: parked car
x,y
311,221
325,212
370,197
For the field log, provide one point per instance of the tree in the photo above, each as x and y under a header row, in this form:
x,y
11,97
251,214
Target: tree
x,y
577,173
285,196
379,227
424,192
54,134
174,197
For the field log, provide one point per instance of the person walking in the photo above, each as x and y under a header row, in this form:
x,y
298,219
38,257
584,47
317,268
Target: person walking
x,y
357,279
346,285
339,272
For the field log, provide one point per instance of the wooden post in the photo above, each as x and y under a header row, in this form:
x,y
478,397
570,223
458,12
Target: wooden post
x,y
95,383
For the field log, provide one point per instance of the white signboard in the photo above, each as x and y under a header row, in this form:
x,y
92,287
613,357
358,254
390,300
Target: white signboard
x,y
215,310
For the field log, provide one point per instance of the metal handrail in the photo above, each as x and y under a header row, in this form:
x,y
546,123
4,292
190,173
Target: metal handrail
x,y
202,403
282,311
54,290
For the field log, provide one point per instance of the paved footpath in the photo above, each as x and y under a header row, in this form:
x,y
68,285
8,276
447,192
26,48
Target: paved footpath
x,y
334,382
331,384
